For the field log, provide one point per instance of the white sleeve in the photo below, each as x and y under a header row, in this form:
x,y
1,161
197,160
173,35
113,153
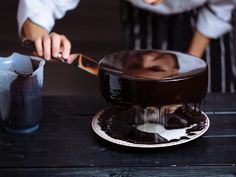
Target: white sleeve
x,y
214,18
43,12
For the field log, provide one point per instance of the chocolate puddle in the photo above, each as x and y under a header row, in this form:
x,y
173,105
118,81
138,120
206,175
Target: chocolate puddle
x,y
26,100
122,123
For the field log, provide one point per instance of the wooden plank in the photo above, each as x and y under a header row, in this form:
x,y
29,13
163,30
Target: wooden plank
x,y
72,105
213,171
222,125
219,102
68,141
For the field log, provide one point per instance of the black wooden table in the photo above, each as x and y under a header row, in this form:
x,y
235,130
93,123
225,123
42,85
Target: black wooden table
x,y
65,145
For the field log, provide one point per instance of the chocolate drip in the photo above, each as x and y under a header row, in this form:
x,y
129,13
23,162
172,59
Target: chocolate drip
x,y
152,78
122,122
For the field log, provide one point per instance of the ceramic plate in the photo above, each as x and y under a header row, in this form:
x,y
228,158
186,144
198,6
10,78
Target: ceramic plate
x,y
174,136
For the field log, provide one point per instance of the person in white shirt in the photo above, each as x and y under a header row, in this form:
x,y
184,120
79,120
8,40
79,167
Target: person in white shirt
x,y
199,27
213,18
37,17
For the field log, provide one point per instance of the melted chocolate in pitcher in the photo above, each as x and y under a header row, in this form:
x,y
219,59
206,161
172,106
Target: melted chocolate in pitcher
x,y
26,100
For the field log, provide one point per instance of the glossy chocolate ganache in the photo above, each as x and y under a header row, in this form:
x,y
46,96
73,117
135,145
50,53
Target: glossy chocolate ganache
x,y
152,78
156,96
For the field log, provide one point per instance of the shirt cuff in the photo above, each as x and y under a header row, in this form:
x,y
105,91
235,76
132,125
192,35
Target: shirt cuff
x,y
38,19
210,25
36,13
189,63
43,12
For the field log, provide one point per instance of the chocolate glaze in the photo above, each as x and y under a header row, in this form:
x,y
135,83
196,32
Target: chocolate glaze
x,y
121,122
152,78
35,64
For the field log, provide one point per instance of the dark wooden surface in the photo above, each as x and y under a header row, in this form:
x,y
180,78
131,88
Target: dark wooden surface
x,y
65,145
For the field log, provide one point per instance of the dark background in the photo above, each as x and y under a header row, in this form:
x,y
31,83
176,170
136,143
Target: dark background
x,y
94,29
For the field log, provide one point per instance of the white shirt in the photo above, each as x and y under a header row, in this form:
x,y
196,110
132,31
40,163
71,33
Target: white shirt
x,y
213,20
43,12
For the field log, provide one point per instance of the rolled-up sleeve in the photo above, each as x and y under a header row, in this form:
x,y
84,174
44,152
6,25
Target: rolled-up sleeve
x,y
214,18
43,12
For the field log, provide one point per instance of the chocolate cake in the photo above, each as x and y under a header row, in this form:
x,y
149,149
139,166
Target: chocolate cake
x,y
153,94
152,78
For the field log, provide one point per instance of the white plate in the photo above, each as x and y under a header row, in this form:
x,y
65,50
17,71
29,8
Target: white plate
x,y
97,129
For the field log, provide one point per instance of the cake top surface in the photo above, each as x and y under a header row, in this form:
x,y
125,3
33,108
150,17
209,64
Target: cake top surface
x,y
153,64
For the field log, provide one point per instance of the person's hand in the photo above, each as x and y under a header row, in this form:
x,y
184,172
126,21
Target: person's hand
x,y
153,2
52,45
198,44
47,44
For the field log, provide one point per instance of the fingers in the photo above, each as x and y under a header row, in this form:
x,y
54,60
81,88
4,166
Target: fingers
x,y
153,2
66,47
52,45
71,58
47,47
56,44
39,46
